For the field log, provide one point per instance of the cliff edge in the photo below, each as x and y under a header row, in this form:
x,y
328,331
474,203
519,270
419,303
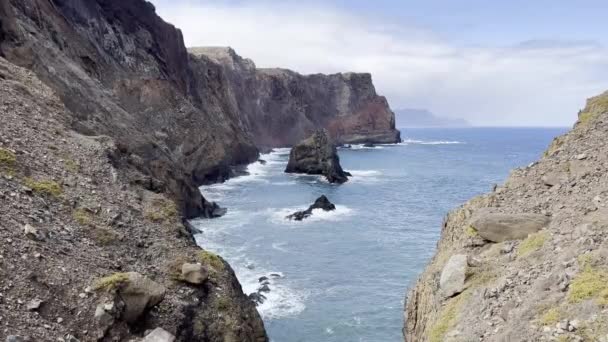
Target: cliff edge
x,y
281,107
528,261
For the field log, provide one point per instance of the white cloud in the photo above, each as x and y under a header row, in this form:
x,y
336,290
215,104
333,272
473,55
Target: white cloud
x,y
533,83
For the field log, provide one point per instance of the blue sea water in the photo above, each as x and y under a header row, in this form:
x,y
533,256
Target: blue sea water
x,y
344,274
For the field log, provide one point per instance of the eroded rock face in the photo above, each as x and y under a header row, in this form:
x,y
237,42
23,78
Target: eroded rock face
x,y
497,227
530,279
281,107
182,120
317,155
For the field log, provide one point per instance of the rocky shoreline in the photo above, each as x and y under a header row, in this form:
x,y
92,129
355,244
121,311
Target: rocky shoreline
x,y
528,261
109,126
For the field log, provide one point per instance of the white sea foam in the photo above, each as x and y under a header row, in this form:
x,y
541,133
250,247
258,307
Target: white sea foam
x,y
363,147
432,142
280,246
279,216
283,300
364,176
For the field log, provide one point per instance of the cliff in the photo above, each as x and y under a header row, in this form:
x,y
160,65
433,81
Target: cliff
x,y
528,261
280,107
72,227
181,119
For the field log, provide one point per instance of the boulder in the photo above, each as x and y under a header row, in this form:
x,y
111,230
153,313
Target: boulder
x,y
498,227
553,178
194,273
317,155
159,335
34,305
132,294
320,203
453,275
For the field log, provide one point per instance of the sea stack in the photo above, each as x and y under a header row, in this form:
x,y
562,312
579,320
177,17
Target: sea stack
x,y
317,155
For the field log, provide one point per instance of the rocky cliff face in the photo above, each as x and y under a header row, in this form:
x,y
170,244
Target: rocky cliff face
x,y
280,107
181,119
123,72
86,256
528,261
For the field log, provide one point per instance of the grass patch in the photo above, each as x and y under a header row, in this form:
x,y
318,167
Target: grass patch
x,y
162,210
103,236
211,259
471,232
595,106
223,303
551,316
44,187
71,165
589,283
447,318
110,282
83,217
532,243
8,160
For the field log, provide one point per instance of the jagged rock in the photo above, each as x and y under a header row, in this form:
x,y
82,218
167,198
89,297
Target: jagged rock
x,y
33,233
257,298
453,275
139,293
159,335
498,227
317,155
320,203
34,305
194,273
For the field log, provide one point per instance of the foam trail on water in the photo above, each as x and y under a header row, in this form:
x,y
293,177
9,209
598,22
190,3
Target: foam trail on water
x,y
432,142
279,216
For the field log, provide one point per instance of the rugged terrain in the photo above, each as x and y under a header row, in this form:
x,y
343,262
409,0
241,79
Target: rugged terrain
x,y
69,218
182,120
109,125
280,107
528,261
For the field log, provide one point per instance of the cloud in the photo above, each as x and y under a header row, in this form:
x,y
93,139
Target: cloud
x,y
537,82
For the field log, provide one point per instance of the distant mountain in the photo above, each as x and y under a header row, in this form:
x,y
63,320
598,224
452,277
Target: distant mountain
x,y
409,117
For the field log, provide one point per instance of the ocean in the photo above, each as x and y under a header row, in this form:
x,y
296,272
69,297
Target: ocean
x,y
342,276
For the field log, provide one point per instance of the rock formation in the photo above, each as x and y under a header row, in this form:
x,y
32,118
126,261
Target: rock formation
x,y
320,203
90,254
281,107
537,248
317,155
179,119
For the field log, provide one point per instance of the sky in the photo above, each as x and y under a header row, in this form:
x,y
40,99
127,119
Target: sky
x,y
493,63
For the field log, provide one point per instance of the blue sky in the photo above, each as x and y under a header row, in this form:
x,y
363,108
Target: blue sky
x,y
491,62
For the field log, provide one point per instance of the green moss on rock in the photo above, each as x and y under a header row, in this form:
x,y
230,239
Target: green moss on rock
x,y
590,283
110,282
532,243
8,160
211,259
162,210
44,187
447,318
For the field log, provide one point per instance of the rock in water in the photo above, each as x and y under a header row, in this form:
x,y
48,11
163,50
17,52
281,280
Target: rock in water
x,y
317,155
320,203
